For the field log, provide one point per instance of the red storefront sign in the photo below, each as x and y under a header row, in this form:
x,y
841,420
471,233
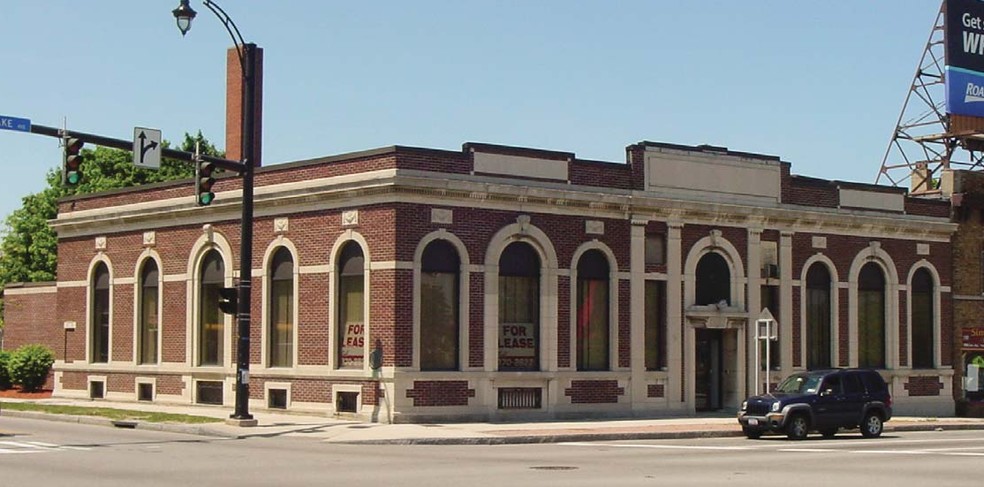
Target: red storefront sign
x,y
972,338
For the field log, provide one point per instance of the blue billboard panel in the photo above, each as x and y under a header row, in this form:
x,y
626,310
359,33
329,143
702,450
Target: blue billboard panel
x,y
964,92
964,34
964,41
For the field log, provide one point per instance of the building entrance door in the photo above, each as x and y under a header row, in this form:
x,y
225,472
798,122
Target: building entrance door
x,y
709,365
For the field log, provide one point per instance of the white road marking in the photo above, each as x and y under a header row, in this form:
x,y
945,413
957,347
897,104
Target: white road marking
x,y
41,443
890,452
21,444
35,447
5,451
955,451
896,441
664,447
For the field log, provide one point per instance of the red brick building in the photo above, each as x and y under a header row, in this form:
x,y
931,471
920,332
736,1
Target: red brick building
x,y
499,282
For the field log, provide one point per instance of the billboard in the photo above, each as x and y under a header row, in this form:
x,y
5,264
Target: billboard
x,y
964,37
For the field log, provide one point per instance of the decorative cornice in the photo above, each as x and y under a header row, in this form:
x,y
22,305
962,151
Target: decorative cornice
x,y
440,189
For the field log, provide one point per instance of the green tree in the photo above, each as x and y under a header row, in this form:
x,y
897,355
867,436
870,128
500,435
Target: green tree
x,y
29,247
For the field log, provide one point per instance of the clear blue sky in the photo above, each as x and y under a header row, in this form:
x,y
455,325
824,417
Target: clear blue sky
x,y
820,84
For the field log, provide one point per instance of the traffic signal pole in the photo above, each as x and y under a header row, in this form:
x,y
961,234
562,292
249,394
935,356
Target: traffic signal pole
x,y
248,65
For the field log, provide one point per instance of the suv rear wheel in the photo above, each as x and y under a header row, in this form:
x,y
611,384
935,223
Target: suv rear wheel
x,y
872,425
798,427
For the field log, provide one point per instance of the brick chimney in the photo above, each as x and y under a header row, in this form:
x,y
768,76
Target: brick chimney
x,y
234,107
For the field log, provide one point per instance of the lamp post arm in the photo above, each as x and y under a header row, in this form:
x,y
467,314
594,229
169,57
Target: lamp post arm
x,y
230,26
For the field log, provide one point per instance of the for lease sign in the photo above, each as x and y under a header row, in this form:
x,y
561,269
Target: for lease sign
x,y
517,345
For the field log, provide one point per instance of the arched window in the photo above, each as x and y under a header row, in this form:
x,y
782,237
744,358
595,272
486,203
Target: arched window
x,y
818,317
871,317
351,307
100,314
519,308
149,321
923,338
439,305
713,280
211,323
592,311
281,308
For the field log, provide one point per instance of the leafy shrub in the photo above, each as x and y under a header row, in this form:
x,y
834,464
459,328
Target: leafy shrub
x,y
29,366
4,374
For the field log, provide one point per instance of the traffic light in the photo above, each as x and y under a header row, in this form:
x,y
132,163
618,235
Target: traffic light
x,y
204,179
228,300
72,161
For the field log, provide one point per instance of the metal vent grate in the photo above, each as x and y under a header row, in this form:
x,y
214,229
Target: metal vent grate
x,y
520,397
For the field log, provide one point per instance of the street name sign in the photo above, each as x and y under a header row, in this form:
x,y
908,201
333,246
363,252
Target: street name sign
x,y
147,148
14,123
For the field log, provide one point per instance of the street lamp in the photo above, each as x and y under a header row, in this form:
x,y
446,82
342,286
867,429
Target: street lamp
x,y
184,14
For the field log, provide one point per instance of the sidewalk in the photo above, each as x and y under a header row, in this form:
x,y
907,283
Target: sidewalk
x,y
332,430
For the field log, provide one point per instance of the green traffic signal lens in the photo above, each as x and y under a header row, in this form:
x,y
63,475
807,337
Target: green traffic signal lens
x,y
73,178
206,198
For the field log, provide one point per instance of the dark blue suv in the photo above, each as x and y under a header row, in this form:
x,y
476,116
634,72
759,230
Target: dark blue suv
x,y
820,400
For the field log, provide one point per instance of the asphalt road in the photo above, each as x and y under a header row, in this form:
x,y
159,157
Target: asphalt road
x,y
44,453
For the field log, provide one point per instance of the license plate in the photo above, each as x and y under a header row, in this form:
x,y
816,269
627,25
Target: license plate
x,y
753,422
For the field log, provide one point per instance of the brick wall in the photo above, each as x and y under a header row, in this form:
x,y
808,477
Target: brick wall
x,y
924,386
440,393
594,391
29,319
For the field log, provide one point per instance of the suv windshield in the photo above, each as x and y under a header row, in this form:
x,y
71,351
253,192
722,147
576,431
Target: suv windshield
x,y
799,384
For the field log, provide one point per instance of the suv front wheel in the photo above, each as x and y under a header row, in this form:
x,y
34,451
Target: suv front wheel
x,y
798,427
872,425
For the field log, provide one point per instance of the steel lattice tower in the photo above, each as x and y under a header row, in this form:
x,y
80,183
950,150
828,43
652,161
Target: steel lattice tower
x,y
926,141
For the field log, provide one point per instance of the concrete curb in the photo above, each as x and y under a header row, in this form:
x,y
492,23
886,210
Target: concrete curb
x,y
558,438
602,436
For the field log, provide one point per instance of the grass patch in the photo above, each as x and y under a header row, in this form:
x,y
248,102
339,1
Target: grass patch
x,y
109,413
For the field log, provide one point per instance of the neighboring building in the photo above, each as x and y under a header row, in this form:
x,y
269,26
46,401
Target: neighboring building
x,y
966,191
500,282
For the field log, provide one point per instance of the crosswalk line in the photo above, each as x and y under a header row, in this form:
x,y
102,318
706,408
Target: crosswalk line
x,y
35,447
7,450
